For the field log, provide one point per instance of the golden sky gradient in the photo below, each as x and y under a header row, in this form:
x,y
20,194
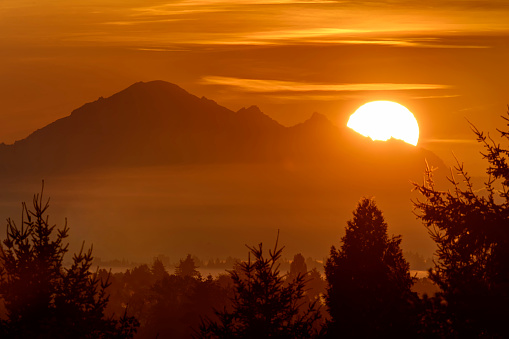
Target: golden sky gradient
x,y
444,60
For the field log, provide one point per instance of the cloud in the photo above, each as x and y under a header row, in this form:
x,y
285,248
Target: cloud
x,y
437,96
403,42
284,98
204,6
246,2
400,23
160,49
268,86
169,10
138,22
335,36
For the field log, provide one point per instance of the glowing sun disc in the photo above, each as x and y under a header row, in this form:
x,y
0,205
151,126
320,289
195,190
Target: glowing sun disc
x,y
382,120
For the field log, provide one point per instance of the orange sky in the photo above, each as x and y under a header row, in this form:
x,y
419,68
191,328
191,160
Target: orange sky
x,y
444,60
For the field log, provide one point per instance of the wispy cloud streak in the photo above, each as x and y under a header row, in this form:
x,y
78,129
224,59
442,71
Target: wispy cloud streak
x,y
398,43
139,22
265,86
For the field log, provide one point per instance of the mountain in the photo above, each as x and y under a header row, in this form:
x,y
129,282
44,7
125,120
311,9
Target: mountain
x,y
154,169
159,123
147,123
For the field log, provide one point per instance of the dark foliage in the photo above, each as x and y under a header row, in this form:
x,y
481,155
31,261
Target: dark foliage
x,y
471,230
179,304
158,270
264,305
316,285
298,266
42,298
369,292
167,306
187,268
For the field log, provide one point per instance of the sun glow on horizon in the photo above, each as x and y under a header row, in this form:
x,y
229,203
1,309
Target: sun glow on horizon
x,y
382,120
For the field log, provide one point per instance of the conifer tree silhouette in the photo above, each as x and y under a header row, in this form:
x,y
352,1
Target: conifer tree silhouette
x,y
471,230
44,299
298,266
187,268
369,292
158,270
264,306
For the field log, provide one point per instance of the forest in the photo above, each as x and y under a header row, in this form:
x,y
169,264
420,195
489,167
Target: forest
x,y
368,290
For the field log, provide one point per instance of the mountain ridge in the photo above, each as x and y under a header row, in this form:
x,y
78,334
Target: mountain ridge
x,y
159,123
146,163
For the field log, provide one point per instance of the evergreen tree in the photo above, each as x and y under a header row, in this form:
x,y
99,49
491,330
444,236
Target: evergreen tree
x,y
298,266
187,268
316,284
471,230
158,270
264,306
43,299
369,292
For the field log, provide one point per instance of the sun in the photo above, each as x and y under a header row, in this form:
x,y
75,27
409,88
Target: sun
x,y
382,120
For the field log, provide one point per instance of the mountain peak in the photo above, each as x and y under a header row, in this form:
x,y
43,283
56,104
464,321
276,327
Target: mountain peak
x,y
151,93
159,123
154,86
257,117
317,121
319,118
253,109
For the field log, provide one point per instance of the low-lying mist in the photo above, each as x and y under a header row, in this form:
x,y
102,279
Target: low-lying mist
x,y
212,211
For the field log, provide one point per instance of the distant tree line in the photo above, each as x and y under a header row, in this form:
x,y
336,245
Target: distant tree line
x,y
368,291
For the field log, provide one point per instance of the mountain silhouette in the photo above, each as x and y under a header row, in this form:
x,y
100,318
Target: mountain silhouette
x,y
200,177
159,123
